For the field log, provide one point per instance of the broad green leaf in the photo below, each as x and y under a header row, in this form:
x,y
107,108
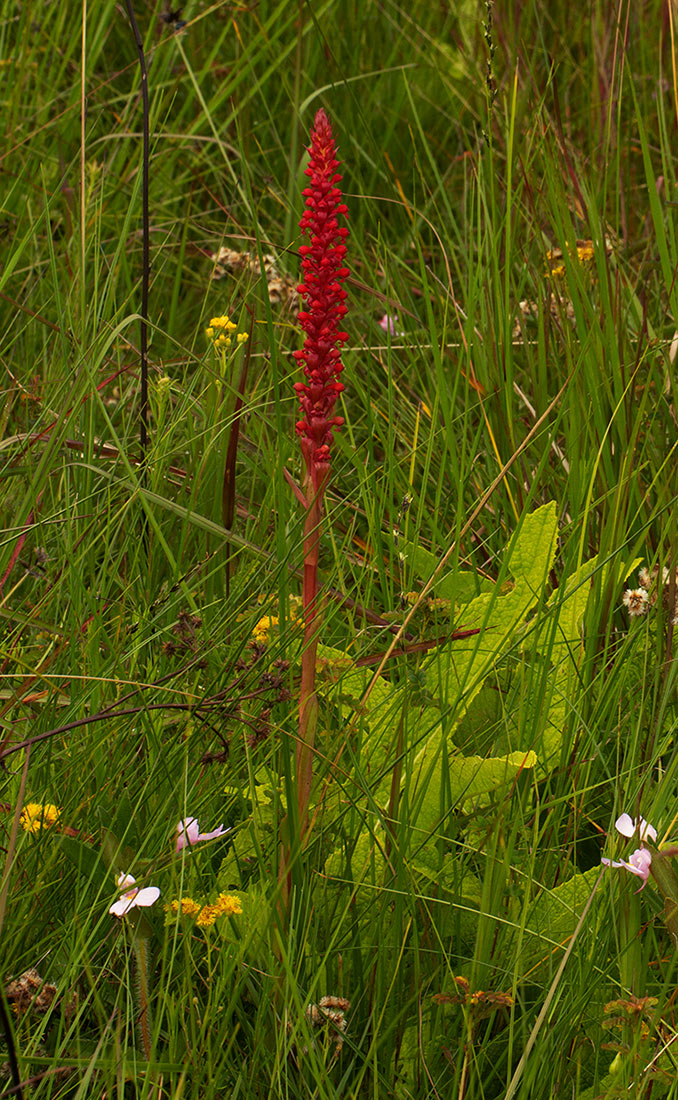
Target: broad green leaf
x,y
568,603
446,873
456,671
452,780
559,639
533,547
364,873
481,725
561,642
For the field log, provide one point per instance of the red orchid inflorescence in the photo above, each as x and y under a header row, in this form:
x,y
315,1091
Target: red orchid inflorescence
x,y
323,272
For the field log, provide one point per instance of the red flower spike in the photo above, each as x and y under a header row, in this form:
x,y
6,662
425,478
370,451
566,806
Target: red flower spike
x,y
323,272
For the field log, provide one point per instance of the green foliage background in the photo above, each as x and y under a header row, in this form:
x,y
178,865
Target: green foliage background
x,y
464,788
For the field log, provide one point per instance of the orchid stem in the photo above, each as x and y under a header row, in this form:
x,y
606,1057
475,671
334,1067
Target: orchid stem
x,y
308,700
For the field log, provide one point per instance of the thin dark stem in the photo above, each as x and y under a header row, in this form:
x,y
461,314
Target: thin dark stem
x,y
146,260
106,715
11,1049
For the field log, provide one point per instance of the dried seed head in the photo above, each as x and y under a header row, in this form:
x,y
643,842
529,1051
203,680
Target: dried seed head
x,y
330,1012
635,600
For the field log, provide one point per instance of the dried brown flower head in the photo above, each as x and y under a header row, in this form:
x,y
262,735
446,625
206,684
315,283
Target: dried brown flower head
x,y
184,630
30,993
636,601
330,1012
648,579
480,1003
282,288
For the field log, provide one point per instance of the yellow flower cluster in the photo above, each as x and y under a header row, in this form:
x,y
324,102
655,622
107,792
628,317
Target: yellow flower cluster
x,y
37,815
188,907
226,905
262,630
584,254
219,329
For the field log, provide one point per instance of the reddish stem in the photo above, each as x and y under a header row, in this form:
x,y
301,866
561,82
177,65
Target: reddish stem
x,y
308,700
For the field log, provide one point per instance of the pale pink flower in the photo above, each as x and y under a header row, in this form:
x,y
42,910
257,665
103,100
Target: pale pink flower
x,y
388,323
132,896
639,863
188,833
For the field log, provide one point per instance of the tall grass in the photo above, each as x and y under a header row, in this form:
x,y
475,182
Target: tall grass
x,y
464,789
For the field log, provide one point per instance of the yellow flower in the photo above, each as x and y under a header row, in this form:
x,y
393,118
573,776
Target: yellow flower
x,y
219,329
37,815
262,630
584,253
229,905
223,323
189,908
206,917
226,905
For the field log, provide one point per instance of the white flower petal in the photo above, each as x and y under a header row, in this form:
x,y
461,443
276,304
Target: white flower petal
x,y
123,905
148,896
132,896
625,825
214,834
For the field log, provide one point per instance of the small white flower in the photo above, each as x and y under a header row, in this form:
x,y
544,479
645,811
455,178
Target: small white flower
x,y
132,896
627,825
188,833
